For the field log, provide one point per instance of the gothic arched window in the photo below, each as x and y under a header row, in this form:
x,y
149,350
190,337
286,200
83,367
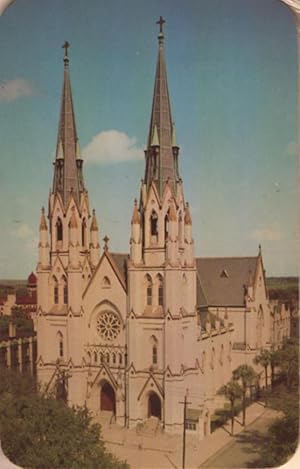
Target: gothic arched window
x,y
65,292
83,232
154,224
149,290
59,230
166,227
160,290
55,292
60,344
154,354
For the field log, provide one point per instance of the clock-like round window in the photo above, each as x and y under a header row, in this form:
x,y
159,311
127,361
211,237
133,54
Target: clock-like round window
x,y
108,325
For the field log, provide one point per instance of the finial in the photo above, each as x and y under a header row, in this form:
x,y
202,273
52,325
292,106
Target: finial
x,y
94,226
155,141
259,249
66,47
161,22
105,239
135,216
43,223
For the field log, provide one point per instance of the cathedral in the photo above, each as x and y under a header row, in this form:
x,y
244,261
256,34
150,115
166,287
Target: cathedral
x,y
133,335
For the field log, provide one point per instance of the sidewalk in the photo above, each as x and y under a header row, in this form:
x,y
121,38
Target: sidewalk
x,y
164,451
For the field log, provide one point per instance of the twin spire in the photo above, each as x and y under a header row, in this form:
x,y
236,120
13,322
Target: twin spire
x,y
162,149
68,178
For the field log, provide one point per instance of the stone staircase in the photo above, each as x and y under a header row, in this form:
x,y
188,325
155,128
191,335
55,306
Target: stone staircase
x,y
150,427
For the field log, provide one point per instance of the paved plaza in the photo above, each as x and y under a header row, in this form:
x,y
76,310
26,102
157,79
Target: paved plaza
x,y
164,451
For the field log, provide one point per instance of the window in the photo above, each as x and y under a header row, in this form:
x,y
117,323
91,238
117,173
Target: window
x,y
60,345
55,292
154,355
120,359
83,232
160,291
59,230
65,292
114,358
166,227
190,426
149,290
153,224
95,357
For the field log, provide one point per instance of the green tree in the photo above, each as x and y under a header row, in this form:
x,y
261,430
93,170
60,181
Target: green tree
x,y
263,359
232,391
288,361
40,432
274,361
245,374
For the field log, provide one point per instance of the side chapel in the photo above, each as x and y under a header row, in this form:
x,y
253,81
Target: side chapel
x,y
130,335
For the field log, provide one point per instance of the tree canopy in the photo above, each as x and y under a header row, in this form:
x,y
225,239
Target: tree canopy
x,y
39,432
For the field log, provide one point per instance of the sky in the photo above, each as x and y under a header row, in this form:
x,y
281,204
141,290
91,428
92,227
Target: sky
x,y
232,76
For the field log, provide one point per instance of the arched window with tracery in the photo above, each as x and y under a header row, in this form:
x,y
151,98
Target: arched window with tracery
x,y
149,287
160,290
154,354
59,230
60,344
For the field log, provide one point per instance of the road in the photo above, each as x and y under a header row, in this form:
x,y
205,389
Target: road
x,y
244,450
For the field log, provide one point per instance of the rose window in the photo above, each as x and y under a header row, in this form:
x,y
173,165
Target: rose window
x,y
108,325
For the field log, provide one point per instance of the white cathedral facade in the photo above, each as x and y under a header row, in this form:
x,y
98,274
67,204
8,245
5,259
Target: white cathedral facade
x,y
131,335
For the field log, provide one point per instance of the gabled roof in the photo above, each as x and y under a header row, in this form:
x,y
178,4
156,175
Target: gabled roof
x,y
120,261
221,280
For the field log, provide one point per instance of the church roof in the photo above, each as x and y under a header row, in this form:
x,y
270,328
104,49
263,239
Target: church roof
x,y
120,261
221,280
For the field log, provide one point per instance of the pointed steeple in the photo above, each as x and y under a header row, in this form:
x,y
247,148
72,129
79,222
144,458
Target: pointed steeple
x,y
68,163
160,160
43,223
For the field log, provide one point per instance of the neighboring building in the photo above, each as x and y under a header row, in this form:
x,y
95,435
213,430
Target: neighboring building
x,y
133,332
25,303
281,322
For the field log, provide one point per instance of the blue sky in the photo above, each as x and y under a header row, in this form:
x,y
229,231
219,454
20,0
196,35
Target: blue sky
x,y
232,72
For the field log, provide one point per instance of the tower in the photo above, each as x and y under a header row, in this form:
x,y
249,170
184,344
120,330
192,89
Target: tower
x,y
162,317
68,255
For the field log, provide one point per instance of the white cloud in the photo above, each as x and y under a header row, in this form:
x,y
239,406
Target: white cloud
x,y
23,231
266,233
112,146
14,89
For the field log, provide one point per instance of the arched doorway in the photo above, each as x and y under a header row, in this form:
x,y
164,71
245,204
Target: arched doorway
x,y
154,405
107,397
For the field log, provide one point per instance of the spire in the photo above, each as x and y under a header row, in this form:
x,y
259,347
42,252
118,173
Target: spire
x,y
94,225
43,223
135,215
160,165
67,173
187,215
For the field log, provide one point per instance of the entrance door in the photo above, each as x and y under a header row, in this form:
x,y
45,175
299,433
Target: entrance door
x,y
154,405
107,398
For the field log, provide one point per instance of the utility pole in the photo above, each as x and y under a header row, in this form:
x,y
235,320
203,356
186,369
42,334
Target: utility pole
x,y
185,403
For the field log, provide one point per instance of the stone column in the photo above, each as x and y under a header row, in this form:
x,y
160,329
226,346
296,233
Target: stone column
x,y
30,351
8,354
20,354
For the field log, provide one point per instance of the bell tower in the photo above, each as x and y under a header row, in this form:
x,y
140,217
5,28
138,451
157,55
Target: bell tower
x,y
68,251
162,317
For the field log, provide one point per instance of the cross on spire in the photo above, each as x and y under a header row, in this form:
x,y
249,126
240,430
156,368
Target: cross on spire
x,y
161,22
66,47
106,239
